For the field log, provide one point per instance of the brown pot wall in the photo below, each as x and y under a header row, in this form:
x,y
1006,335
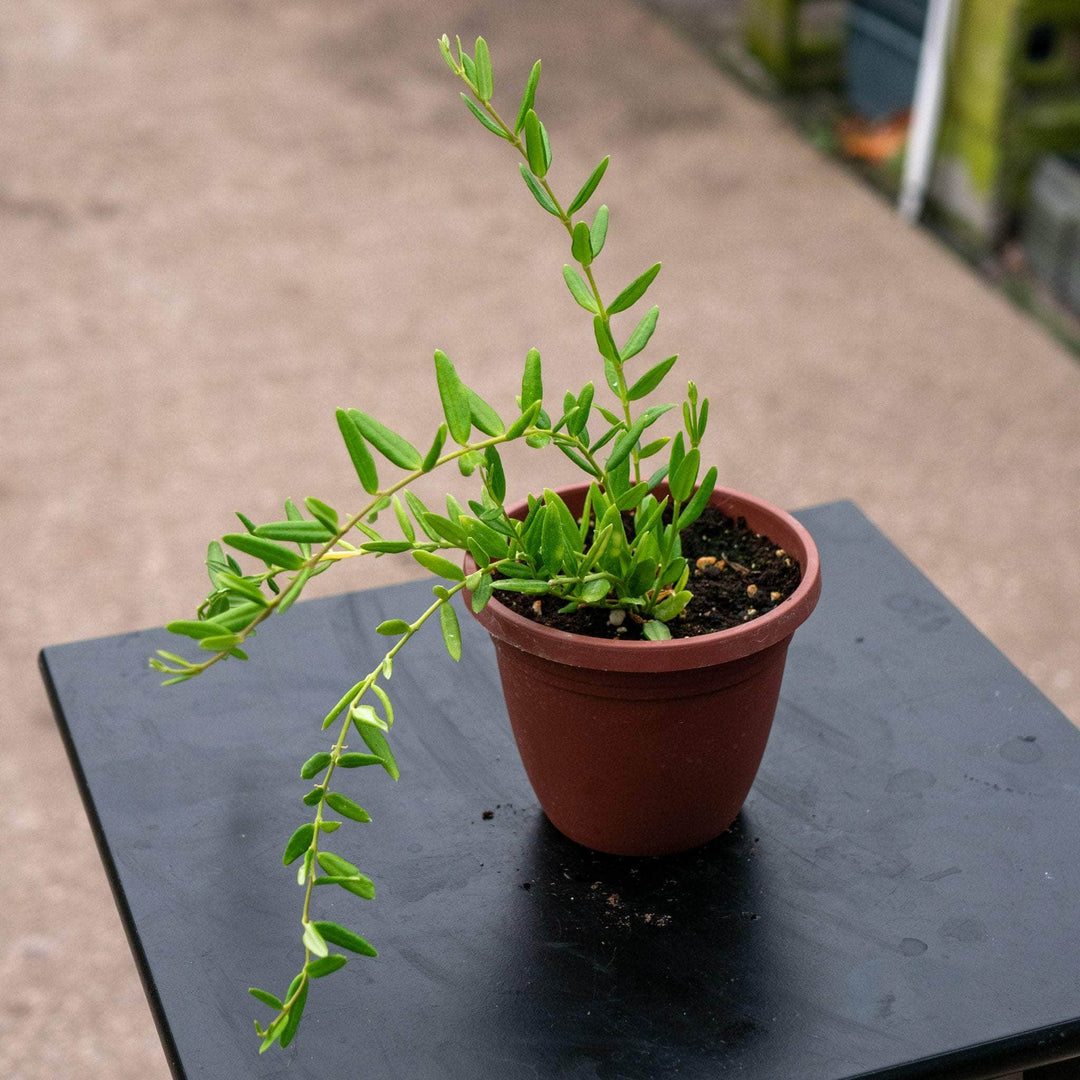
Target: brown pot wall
x,y
648,748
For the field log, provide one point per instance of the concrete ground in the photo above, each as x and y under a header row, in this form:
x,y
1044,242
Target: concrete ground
x,y
221,219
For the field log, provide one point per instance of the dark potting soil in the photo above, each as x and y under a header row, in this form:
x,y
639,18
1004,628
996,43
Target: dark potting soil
x,y
735,576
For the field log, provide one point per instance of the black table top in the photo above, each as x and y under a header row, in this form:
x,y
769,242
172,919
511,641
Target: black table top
x,y
899,898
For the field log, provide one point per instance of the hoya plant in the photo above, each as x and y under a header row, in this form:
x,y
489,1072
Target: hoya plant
x,y
622,553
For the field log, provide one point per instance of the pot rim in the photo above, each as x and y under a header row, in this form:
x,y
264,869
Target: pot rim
x,y
677,654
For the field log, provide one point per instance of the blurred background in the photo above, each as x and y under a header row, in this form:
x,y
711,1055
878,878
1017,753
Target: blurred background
x,y
222,219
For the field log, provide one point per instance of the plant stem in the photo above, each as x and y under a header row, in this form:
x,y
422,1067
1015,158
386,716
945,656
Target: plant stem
x,y
515,141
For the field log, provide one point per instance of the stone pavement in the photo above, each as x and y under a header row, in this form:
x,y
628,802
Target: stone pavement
x,y
221,219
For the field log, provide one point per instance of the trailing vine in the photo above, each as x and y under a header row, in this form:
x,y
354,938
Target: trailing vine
x,y
622,552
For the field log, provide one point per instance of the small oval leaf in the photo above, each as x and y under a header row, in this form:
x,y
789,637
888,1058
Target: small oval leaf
x,y
451,631
583,196
298,843
634,291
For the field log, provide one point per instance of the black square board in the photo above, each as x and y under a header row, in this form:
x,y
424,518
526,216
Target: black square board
x,y
900,897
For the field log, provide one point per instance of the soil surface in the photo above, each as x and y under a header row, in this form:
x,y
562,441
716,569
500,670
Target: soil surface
x,y
735,576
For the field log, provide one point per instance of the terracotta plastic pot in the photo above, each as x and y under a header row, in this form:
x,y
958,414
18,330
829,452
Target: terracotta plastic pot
x,y
650,747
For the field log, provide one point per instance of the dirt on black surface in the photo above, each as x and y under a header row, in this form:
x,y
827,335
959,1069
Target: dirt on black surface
x,y
735,575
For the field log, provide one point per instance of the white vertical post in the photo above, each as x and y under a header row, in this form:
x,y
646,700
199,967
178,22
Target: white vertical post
x,y
926,108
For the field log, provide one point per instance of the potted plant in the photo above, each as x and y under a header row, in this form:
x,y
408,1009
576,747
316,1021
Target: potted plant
x,y
640,618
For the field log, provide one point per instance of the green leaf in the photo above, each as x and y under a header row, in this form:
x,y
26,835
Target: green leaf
x,y
298,532
296,586
326,966
528,99
583,196
315,765
451,631
485,79
634,291
361,457
697,504
272,1033
602,536
298,843
673,571
344,938
592,592
651,379
655,630
346,807
444,48
584,403
215,560
266,550
520,570
495,473
483,415
625,443
532,384
403,520
578,289
386,547
432,456
389,443
438,565
446,529
393,627
483,117
678,452
468,65
313,940
238,616
481,594
531,588
376,742
682,483
671,605
222,643
322,512
642,577
606,344
295,1013
365,714
356,761
455,399
357,886
541,196
553,542
522,423
598,232
469,463
198,629
534,145
578,460
314,796
570,528
264,997
654,447
480,557
419,511
580,246
336,865
642,332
